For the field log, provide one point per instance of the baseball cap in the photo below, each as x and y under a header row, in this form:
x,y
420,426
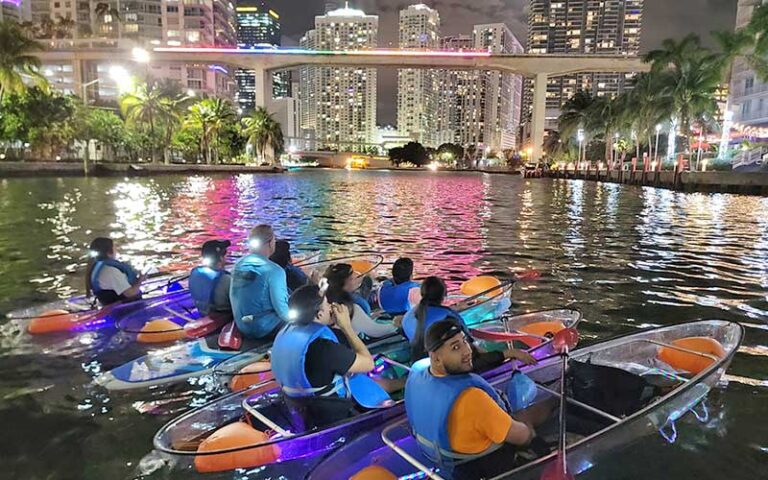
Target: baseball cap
x,y
215,248
439,333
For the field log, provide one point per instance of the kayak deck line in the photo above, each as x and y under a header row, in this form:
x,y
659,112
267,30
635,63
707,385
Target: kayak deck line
x,y
264,419
405,455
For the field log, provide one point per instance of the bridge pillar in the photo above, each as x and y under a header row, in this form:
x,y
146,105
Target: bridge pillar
x,y
539,114
263,87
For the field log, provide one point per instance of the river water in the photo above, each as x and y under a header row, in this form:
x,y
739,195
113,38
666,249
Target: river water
x,y
627,257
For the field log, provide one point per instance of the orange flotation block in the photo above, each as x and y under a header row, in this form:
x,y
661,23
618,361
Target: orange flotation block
x,y
374,472
541,329
53,321
690,362
235,435
361,267
480,284
161,331
252,374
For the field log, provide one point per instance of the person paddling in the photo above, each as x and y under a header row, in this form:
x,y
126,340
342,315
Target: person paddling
x,y
459,420
314,362
109,279
259,292
342,285
209,282
295,276
431,310
401,293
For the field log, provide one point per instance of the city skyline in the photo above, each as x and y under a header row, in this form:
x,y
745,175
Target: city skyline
x,y
660,20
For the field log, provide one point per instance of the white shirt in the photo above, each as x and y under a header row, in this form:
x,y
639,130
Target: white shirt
x,y
362,323
110,278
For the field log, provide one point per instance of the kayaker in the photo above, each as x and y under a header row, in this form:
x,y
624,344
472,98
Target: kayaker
x,y
311,360
109,279
209,282
342,285
457,417
398,295
431,310
295,276
259,292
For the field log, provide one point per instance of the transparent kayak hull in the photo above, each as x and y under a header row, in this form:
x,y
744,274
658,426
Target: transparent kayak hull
x,y
183,436
632,352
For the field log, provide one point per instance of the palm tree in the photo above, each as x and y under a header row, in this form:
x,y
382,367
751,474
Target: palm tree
x,y
17,59
148,106
648,104
575,116
102,9
210,115
263,132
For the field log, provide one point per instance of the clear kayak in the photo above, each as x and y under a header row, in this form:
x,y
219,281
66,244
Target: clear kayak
x,y
685,361
256,427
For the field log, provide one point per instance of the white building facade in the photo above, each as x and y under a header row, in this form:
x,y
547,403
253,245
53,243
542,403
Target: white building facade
x,y
749,94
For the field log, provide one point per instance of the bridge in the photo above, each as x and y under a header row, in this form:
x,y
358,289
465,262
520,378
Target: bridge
x,y
265,61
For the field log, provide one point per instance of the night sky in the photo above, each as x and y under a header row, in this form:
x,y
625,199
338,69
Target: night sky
x,y
661,19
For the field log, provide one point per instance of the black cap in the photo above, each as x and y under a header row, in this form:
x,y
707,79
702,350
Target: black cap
x,y
215,248
439,333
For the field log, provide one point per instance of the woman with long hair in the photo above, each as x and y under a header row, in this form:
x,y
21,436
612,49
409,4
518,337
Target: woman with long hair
x,y
110,280
342,284
431,310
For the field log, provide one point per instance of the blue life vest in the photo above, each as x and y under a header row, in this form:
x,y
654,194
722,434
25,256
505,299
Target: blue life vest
x,y
289,354
295,277
394,298
428,404
202,287
249,293
434,314
110,296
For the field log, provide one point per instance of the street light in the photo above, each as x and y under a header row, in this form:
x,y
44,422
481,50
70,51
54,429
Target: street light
x,y
121,77
140,55
656,148
190,92
580,136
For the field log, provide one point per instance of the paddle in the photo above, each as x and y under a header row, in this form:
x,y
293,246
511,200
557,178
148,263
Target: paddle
x,y
204,326
562,342
230,337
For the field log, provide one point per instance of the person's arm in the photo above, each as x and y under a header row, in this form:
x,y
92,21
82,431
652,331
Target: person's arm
x,y
278,293
363,360
363,323
113,279
494,421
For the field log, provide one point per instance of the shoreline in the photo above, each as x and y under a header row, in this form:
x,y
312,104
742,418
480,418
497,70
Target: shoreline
x,y
745,183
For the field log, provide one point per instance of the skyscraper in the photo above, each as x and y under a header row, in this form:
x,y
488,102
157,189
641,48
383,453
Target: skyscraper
x,y
258,26
583,26
480,108
14,10
416,88
749,95
344,98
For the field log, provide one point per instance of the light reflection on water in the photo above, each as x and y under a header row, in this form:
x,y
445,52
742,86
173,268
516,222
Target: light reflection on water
x,y
627,257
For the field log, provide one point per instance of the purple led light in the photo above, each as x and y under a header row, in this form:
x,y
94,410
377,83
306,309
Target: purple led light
x,y
15,3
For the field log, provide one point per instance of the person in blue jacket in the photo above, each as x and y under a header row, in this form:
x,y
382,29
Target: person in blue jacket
x,y
109,279
401,293
295,276
209,282
316,357
431,310
259,292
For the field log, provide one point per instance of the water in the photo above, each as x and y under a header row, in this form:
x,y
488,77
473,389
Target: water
x,y
627,257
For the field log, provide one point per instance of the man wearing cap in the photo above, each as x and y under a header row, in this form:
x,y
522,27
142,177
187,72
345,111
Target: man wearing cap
x,y
259,292
209,282
457,417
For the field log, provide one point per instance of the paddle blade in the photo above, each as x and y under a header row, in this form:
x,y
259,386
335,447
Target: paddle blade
x,y
230,337
203,327
565,340
528,275
557,470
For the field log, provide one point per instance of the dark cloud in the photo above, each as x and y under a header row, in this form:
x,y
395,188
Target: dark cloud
x,y
661,19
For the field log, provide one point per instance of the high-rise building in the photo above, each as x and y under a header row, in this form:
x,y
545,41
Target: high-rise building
x,y
342,100
749,95
416,88
258,26
14,10
480,108
587,27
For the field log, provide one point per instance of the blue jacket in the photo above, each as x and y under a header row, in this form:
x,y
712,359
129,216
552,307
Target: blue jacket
x,y
110,296
434,314
362,302
259,296
295,277
202,287
394,298
289,354
428,404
